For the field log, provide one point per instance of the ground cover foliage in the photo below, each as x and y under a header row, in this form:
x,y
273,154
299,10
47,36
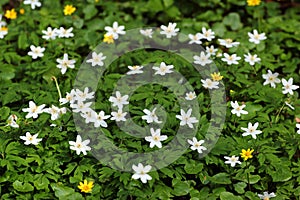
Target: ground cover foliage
x,y
51,169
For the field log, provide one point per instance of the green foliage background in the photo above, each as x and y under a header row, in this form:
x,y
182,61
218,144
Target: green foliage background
x,y
52,171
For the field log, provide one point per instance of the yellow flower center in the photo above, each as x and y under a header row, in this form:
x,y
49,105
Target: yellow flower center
x,y
3,28
156,138
228,40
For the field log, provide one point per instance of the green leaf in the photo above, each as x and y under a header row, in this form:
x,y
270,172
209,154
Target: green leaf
x,y
233,20
155,5
239,187
89,11
22,187
22,41
168,3
180,187
221,178
193,168
4,113
229,196
64,192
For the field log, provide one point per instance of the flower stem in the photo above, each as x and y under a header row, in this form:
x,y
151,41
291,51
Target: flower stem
x,y
248,177
57,87
279,113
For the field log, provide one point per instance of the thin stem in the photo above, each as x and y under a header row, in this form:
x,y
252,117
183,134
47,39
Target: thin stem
x,y
248,177
279,113
57,87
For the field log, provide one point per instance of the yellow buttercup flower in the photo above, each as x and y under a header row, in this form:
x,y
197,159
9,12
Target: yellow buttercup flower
x,y
216,76
22,11
86,186
69,9
246,154
253,2
11,14
108,39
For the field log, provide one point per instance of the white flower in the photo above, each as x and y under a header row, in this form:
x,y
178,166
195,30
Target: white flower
x,y
231,59
163,69
55,112
251,130
255,37
207,34
36,52
195,38
211,51
80,146
202,59
266,195
80,106
298,127
118,116
289,105
207,83
31,139
97,59
33,110
115,30
70,97
136,69
49,33
99,119
237,109
252,59
197,145
169,31
155,138
83,95
228,43
271,78
65,63
186,118
119,100
89,115
2,23
64,33
147,32
3,31
140,172
12,121
233,160
288,86
190,96
33,3
150,116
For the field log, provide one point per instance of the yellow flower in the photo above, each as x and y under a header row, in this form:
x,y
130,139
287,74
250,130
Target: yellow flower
x,y
11,14
246,154
86,186
22,11
216,76
69,9
96,1
253,2
108,39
